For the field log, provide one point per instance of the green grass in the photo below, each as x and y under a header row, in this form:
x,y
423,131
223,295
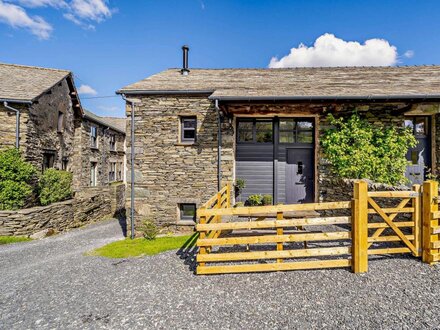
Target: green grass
x,y
140,247
13,239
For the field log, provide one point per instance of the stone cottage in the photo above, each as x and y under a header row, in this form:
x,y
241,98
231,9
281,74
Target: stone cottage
x,y
197,129
100,148
38,108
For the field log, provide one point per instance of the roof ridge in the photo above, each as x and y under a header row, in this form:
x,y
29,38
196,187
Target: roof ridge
x,y
316,67
35,67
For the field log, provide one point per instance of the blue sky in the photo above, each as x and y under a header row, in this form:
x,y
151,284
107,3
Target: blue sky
x,y
109,44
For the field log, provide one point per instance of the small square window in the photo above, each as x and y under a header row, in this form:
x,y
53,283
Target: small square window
x,y
188,128
187,212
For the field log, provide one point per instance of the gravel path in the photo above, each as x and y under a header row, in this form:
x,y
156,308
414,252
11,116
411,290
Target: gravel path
x,y
50,284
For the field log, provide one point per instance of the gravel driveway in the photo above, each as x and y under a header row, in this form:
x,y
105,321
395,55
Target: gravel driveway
x,y
50,284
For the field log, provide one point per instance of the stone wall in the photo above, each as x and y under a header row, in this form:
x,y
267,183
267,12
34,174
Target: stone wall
x,y
102,155
42,127
7,125
168,172
88,205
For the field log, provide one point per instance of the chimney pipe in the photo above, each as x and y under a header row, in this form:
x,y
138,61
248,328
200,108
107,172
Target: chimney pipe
x,y
185,70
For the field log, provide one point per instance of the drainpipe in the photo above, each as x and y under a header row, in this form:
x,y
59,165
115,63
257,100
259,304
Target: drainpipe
x,y
219,146
132,167
17,123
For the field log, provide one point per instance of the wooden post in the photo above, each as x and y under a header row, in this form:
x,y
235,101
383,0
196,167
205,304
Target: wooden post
x,y
202,235
417,218
228,194
430,204
280,231
360,228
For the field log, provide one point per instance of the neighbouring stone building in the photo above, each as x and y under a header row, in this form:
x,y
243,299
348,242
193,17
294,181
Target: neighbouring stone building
x,y
100,150
271,121
48,107
54,131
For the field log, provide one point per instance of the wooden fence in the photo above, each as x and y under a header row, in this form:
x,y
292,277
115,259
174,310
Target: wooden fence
x,y
273,237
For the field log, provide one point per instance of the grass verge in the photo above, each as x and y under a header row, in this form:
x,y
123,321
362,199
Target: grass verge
x,y
140,247
13,239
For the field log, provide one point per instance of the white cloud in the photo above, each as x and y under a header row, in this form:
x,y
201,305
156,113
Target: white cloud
x,y
42,3
17,17
87,90
94,10
409,54
329,50
72,18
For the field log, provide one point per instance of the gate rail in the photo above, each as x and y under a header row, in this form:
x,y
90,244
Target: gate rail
x,y
371,229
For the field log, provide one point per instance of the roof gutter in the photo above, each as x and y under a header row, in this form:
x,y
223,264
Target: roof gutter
x,y
325,98
164,92
17,123
15,101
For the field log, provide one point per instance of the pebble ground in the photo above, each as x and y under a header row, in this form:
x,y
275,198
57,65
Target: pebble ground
x,y
50,284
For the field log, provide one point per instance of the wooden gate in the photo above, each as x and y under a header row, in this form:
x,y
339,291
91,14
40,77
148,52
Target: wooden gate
x,y
379,222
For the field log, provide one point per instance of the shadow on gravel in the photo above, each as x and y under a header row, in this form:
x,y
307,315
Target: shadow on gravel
x,y
121,215
188,252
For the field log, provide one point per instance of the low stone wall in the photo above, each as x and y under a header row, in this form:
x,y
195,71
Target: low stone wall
x,y
88,205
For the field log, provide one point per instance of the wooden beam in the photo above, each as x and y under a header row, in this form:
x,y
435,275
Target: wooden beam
x,y
274,223
394,194
340,235
227,269
393,210
392,238
258,255
385,225
273,209
360,228
389,251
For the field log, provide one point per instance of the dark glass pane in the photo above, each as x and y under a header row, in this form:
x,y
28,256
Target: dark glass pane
x,y
287,137
421,126
408,123
189,123
263,126
188,210
189,134
245,136
287,124
245,125
305,137
305,125
264,136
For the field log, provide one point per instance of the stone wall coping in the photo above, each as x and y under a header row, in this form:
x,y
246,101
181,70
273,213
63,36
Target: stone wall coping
x,y
36,208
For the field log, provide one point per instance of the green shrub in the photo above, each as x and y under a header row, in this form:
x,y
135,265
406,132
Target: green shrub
x,y
55,186
239,186
16,176
239,204
357,149
149,229
267,200
255,200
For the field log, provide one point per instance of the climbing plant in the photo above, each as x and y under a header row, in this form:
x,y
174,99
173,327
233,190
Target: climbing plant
x,y
358,149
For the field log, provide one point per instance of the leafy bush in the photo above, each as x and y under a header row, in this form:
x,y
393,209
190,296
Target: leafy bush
x,y
267,200
239,204
149,229
16,176
359,150
255,200
239,186
55,186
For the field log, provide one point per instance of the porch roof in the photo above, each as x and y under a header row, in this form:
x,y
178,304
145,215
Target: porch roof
x,y
297,83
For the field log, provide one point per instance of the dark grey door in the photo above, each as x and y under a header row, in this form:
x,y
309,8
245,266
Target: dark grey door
x,y
299,175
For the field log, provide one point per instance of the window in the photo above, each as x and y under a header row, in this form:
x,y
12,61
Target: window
x,y
65,162
188,127
187,212
120,169
418,125
112,172
255,131
93,173
94,137
112,143
296,130
60,127
48,159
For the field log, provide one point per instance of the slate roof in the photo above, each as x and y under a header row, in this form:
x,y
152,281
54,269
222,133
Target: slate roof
x,y
117,124
349,82
26,83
